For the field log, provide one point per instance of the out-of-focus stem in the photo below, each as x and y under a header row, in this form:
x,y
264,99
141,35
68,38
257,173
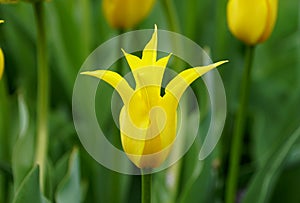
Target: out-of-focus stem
x,y
146,188
172,16
239,129
43,92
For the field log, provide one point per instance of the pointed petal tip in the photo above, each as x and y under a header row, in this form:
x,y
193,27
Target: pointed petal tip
x,y
95,73
85,73
124,52
169,56
220,63
155,33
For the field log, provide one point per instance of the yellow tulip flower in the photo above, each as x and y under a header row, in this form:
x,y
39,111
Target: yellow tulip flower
x,y
148,120
124,14
252,21
1,59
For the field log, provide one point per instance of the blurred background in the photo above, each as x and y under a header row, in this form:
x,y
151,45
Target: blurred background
x,y
270,165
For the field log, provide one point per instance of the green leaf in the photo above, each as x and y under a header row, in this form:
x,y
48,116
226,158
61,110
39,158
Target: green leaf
x,y
23,152
23,115
29,190
287,187
262,184
200,176
192,165
191,174
60,169
69,189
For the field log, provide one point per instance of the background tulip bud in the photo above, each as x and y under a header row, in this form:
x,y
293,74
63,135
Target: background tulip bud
x,y
1,63
124,14
251,21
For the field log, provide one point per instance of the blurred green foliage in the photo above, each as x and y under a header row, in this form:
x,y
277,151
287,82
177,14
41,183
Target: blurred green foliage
x,y
270,167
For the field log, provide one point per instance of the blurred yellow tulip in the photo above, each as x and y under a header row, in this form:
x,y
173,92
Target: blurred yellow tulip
x,y
251,21
148,121
124,14
1,63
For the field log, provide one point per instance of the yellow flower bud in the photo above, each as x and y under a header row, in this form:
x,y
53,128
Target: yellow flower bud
x,y
124,14
1,63
148,121
251,21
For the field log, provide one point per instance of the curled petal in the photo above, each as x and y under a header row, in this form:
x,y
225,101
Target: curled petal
x,y
178,85
115,80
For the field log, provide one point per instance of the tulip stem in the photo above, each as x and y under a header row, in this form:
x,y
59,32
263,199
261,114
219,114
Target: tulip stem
x,y
172,16
146,188
42,92
119,48
239,128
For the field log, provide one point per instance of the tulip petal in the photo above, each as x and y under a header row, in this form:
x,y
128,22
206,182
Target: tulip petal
x,y
150,50
272,15
147,71
163,61
115,80
152,75
178,85
132,60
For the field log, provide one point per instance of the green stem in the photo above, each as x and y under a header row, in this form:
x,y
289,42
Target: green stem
x,y
191,19
120,67
146,188
86,26
239,129
172,16
42,92
172,19
220,42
